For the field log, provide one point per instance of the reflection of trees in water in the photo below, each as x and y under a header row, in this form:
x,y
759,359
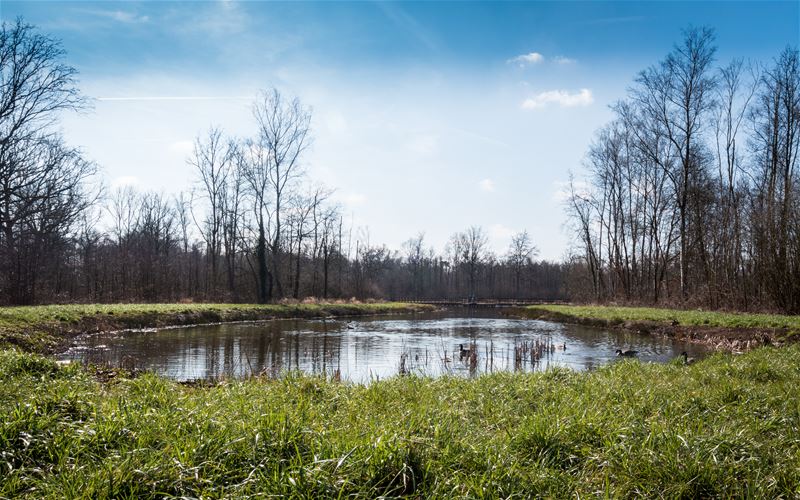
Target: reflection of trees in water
x,y
328,348
315,351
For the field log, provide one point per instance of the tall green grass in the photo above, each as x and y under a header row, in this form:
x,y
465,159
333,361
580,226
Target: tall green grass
x,y
727,426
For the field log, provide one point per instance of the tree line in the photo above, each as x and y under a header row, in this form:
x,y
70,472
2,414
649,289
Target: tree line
x,y
692,191
253,227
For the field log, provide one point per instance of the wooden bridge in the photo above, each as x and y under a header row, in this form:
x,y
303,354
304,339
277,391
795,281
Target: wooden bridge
x,y
484,302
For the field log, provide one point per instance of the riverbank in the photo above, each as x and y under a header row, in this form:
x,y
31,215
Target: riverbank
x,y
726,427
721,330
48,329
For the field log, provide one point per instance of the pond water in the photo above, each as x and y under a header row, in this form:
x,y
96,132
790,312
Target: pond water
x,y
370,348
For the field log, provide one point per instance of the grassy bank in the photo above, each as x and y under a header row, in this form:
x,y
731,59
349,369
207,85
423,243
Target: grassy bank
x,y
46,328
728,329
691,317
727,426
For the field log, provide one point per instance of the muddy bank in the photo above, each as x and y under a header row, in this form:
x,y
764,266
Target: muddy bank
x,y
722,338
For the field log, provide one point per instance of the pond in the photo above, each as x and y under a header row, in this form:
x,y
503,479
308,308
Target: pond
x,y
370,348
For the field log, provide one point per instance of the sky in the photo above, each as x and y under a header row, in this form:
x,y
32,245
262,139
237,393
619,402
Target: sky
x,y
427,116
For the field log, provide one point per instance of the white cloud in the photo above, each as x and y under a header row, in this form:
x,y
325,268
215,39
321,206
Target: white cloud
x,y
537,58
526,59
487,185
560,97
121,16
216,19
335,122
563,60
129,17
423,144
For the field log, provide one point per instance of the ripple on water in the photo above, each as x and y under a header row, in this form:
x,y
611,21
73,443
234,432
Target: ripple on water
x,y
367,348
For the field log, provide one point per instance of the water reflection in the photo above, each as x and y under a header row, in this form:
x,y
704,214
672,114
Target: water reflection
x,y
371,348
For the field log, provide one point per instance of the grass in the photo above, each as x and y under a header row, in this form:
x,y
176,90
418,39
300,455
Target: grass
x,y
45,328
727,426
620,315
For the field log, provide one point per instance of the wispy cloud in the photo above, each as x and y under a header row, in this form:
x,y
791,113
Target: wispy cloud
x,y
76,18
486,185
527,59
563,60
483,138
561,98
423,144
404,20
536,58
335,122
122,16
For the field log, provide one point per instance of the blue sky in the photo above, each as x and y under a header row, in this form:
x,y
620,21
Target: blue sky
x,y
428,116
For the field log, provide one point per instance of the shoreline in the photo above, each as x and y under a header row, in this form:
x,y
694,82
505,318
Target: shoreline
x,y
626,429
50,329
717,336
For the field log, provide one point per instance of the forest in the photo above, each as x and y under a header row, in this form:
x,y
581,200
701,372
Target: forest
x,y
689,196
692,192
251,226
240,335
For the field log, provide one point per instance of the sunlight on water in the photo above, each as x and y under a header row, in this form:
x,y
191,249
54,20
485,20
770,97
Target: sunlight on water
x,y
371,348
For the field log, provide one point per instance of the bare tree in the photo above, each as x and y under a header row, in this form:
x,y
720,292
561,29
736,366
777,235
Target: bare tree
x,y
182,209
43,183
255,170
45,187
305,219
35,85
283,135
329,221
580,208
776,146
521,251
233,213
123,208
248,207
156,239
471,248
677,94
737,86
415,255
211,160
654,198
